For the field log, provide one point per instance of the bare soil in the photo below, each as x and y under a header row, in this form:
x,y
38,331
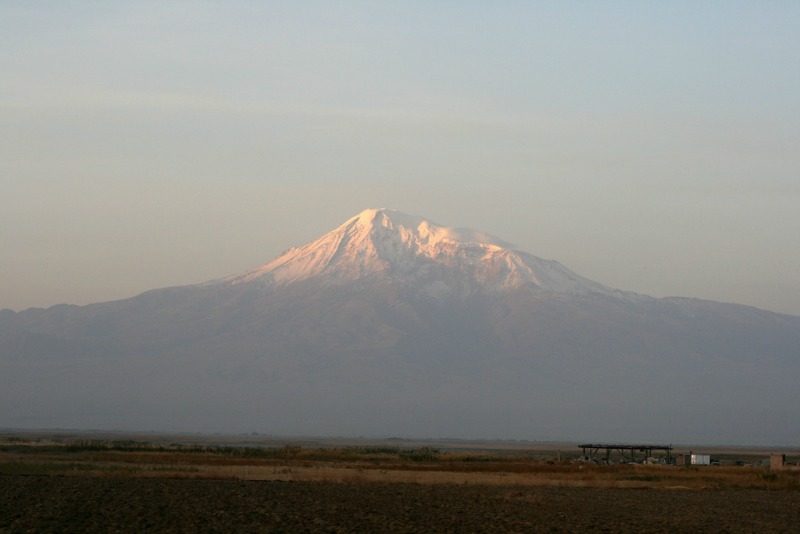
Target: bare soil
x,y
107,504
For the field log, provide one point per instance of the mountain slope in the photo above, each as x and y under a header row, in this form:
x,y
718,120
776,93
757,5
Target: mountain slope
x,y
387,244
391,325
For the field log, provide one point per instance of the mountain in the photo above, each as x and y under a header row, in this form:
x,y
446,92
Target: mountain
x,y
391,325
396,248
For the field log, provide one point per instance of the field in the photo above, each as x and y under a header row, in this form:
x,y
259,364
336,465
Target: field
x,y
63,483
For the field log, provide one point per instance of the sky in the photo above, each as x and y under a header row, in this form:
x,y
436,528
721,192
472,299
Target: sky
x,y
650,146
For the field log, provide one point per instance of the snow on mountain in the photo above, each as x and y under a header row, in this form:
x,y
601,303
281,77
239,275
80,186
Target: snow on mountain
x,y
439,260
340,337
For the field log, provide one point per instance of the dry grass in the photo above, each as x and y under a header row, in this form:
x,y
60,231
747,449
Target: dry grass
x,y
652,477
357,464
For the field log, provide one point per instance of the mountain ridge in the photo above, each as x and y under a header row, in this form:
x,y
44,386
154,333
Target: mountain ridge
x,y
404,344
394,244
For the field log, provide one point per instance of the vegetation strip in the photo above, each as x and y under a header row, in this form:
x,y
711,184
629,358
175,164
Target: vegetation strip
x,y
359,464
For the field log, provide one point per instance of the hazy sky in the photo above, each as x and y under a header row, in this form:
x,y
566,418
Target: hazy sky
x,y
651,146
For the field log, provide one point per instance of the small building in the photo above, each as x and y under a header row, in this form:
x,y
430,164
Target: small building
x,y
777,461
694,459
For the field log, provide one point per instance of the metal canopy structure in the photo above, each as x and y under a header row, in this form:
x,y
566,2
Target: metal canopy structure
x,y
627,451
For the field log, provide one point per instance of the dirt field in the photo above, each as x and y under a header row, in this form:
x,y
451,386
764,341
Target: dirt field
x,y
85,504
51,484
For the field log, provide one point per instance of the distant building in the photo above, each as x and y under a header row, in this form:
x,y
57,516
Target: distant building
x,y
694,459
777,461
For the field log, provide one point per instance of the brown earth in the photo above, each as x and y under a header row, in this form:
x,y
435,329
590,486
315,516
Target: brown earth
x,y
106,504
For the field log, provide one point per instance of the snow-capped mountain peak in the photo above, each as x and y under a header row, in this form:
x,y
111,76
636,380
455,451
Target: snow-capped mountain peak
x,y
390,245
423,231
